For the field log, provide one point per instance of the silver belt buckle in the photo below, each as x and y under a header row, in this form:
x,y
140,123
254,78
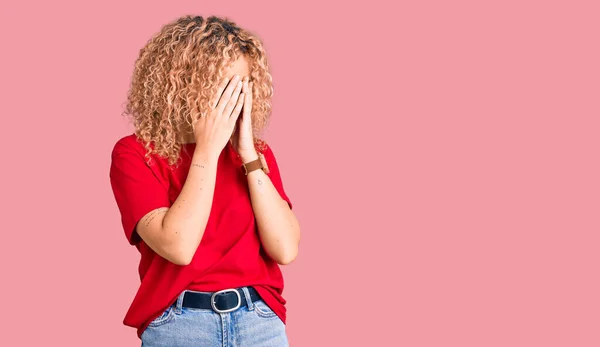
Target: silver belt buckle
x,y
213,302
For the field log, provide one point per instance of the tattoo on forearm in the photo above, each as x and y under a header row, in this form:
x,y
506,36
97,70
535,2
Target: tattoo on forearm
x,y
199,165
260,182
154,214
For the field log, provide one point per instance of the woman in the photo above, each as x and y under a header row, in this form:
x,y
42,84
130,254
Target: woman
x,y
200,194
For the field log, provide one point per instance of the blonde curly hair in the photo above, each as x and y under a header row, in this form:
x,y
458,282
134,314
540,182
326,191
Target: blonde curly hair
x,y
177,74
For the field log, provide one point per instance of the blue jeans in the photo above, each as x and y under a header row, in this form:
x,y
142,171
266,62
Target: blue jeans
x,y
252,325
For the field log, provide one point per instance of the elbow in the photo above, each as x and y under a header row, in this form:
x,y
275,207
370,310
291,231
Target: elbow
x,y
286,261
288,256
181,258
183,250
182,255
180,242
182,261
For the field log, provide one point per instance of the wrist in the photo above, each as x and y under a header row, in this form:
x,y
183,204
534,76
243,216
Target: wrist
x,y
255,174
258,164
205,155
248,157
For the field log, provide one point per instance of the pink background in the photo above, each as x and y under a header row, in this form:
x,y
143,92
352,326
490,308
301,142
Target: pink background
x,y
442,158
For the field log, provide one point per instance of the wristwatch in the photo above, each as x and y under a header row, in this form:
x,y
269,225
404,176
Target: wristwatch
x,y
259,163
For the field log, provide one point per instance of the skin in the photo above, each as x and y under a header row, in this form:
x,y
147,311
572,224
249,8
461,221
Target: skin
x,y
175,233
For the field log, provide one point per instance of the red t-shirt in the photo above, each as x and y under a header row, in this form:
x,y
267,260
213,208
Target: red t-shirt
x,y
229,254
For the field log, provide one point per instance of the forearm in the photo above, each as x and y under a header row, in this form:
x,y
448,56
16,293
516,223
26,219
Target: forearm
x,y
187,217
278,226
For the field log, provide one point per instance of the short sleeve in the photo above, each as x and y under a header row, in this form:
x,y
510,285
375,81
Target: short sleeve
x,y
136,188
275,175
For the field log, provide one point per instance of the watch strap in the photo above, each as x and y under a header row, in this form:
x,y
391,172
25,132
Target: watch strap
x,y
259,163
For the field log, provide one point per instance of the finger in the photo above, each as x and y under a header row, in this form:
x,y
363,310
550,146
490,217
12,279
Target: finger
x,y
220,90
248,100
245,88
226,96
245,91
236,111
233,100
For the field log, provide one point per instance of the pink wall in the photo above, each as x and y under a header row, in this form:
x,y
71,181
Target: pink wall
x,y
442,158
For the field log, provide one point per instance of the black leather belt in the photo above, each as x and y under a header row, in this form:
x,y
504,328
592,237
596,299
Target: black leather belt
x,y
222,301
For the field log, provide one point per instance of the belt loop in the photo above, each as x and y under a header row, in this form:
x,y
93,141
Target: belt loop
x,y
179,302
249,302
